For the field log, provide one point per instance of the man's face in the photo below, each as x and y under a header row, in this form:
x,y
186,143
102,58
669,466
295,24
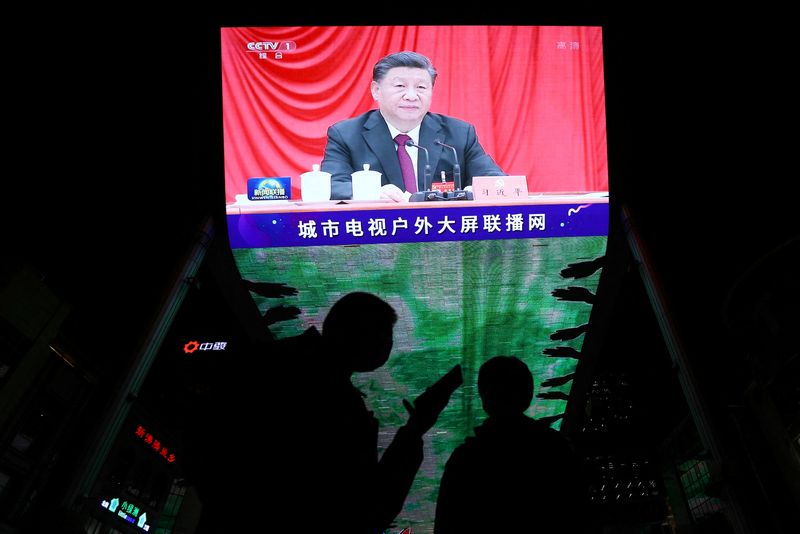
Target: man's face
x,y
404,96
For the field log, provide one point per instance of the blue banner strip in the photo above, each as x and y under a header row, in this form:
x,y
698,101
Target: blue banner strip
x,y
373,226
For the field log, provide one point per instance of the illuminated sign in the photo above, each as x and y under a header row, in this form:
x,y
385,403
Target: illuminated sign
x,y
128,511
471,222
154,443
278,188
193,346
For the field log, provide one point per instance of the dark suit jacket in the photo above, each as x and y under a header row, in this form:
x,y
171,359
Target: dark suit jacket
x,y
366,139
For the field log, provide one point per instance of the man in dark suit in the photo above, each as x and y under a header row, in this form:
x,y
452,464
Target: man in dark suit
x,y
402,85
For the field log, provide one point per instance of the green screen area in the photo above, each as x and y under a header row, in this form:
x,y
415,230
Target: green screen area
x,y
457,302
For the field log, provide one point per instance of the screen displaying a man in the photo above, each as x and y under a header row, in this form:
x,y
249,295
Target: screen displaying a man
x,y
388,138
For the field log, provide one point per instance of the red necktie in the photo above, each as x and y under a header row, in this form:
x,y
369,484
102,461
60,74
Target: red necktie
x,y
409,177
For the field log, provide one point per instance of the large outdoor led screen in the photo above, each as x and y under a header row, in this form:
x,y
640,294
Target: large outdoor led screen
x,y
469,279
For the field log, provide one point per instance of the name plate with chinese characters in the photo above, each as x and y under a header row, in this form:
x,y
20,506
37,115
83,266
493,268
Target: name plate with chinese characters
x,y
499,188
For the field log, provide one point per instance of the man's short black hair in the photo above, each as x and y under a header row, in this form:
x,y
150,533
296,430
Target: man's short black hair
x,y
505,385
357,310
403,59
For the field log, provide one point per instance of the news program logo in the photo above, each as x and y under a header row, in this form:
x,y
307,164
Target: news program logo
x,y
279,188
275,48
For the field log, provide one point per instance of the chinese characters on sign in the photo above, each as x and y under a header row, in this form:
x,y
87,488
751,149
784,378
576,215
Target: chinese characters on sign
x,y
154,443
193,346
270,192
127,511
269,188
515,193
416,224
469,224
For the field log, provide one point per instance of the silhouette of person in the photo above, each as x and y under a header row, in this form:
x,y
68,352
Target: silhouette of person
x,y
329,472
516,474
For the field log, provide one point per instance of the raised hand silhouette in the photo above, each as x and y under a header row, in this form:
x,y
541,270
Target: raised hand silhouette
x,y
280,313
558,380
553,395
562,352
575,294
583,269
569,333
270,289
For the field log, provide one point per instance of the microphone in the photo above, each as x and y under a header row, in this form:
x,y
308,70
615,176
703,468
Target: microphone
x,y
456,168
426,176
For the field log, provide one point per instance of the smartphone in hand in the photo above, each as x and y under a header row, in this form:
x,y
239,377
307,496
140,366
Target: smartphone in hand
x,y
431,402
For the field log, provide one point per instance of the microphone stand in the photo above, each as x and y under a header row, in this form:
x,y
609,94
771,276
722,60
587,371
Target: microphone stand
x,y
427,194
458,194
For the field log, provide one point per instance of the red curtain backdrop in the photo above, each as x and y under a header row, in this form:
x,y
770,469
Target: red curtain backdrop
x,y
534,93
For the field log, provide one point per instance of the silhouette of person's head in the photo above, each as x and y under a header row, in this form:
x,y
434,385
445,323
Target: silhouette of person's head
x,y
358,330
505,385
